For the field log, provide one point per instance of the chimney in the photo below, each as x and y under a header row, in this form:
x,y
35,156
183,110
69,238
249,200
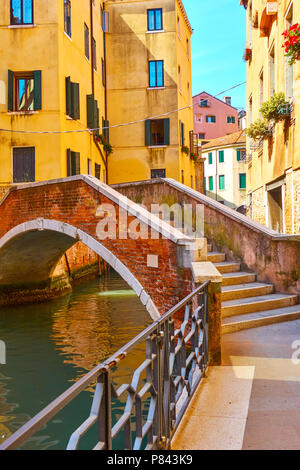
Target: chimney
x,y
227,100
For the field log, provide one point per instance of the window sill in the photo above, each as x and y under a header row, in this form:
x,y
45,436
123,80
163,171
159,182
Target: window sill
x,y
21,26
157,146
156,88
155,31
22,113
69,37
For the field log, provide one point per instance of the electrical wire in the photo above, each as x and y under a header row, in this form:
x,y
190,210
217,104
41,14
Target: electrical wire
x,y
117,125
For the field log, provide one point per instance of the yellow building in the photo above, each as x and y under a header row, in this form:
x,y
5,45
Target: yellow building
x,y
58,57
273,179
149,74
51,80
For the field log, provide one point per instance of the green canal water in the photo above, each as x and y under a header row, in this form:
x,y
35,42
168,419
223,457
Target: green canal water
x,y
51,345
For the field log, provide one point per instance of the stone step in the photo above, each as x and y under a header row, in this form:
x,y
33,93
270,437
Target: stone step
x,y
257,319
215,257
241,291
227,267
232,279
232,308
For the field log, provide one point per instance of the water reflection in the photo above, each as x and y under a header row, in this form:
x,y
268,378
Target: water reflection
x,y
49,346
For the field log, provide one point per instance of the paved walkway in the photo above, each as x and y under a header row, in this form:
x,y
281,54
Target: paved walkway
x,y
253,400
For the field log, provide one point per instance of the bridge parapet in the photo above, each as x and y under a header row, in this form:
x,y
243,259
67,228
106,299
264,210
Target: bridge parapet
x,y
275,257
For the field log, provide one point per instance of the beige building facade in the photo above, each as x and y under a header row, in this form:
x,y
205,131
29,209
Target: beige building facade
x,y
273,172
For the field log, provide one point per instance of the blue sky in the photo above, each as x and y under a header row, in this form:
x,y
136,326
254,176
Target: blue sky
x,y
218,43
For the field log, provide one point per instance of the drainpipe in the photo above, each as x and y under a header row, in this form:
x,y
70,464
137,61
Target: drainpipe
x,y
105,89
104,158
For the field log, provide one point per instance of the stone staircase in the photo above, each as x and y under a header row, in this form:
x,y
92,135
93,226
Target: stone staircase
x,y
247,303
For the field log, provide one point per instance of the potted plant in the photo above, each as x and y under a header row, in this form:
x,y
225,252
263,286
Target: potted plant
x,y
185,150
276,109
193,157
292,43
258,130
106,146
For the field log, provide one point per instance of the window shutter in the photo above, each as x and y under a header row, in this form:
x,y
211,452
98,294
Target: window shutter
x,y
90,111
77,163
69,163
106,131
75,101
182,135
238,156
37,90
148,133
68,96
167,131
10,88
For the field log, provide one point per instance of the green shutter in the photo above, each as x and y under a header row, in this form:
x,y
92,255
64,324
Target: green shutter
x,y
37,90
221,182
210,158
205,184
75,101
242,180
147,133
221,156
69,164
238,156
182,134
106,124
90,110
68,96
10,88
167,131
211,183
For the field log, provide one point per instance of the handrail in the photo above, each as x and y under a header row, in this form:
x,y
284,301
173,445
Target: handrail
x,y
166,348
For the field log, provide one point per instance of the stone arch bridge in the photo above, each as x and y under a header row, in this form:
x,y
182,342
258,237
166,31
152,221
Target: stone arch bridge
x,y
41,221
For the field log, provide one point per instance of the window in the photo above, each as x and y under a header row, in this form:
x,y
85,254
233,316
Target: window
x,y
272,71
192,181
188,48
241,155
210,118
205,184
242,180
261,88
89,166
157,132
222,182
73,163
182,136
94,54
179,78
24,91
178,26
211,183
67,17
155,19
182,176
198,118
201,136
97,171
230,120
203,103
72,99
156,73
86,41
210,158
221,156
23,164
92,112
158,174
21,12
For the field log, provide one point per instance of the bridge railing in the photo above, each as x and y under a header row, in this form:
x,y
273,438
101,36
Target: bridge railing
x,y
176,358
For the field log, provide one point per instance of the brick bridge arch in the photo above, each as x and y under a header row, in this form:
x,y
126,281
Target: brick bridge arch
x,y
41,221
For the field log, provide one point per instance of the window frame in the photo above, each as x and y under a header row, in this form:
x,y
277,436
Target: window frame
x,y
68,33
22,14
155,28
213,121
86,41
163,74
17,78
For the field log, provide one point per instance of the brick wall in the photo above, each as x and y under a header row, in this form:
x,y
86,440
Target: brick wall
x,y
75,202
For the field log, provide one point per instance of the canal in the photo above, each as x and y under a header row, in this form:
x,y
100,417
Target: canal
x,y
51,345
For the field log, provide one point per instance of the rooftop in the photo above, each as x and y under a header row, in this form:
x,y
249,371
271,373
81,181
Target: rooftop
x,y
227,140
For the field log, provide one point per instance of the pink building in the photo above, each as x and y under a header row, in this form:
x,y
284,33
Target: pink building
x,y
214,118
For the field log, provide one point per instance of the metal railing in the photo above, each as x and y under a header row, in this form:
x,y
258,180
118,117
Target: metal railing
x,y
176,358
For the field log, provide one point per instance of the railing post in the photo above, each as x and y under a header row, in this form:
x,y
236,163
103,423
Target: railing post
x,y
104,417
202,272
